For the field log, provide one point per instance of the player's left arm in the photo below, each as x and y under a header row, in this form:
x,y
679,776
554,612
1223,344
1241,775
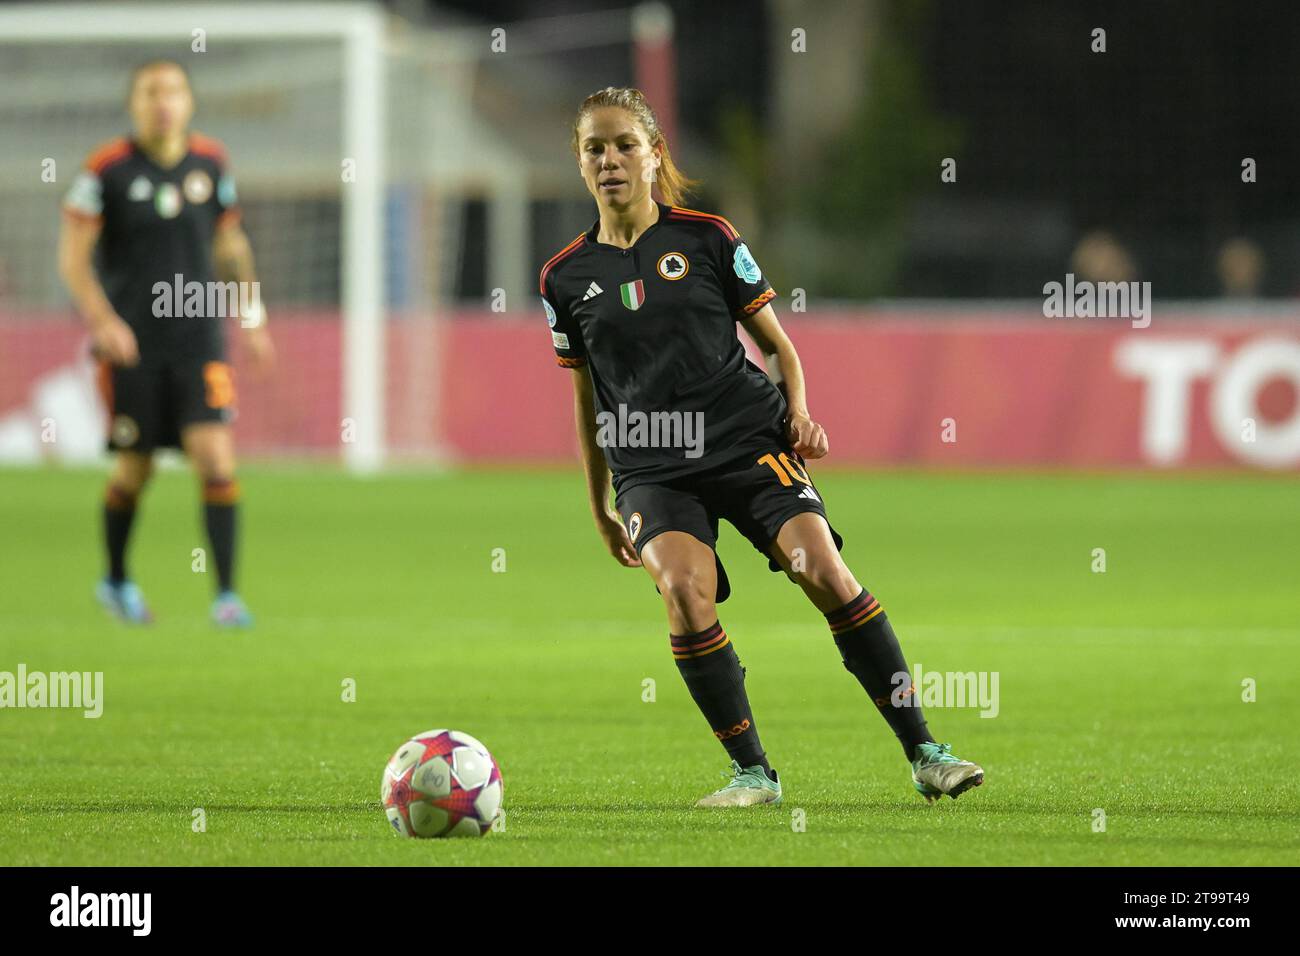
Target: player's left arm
x,y
232,255
806,436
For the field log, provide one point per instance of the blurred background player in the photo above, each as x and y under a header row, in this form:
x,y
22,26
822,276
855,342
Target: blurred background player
x,y
642,307
160,207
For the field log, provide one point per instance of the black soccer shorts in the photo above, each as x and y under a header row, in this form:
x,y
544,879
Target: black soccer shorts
x,y
756,495
148,404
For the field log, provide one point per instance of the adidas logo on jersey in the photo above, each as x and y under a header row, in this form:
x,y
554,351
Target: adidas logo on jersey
x,y
809,494
593,290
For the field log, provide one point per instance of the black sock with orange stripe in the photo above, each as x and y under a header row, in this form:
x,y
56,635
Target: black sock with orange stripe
x,y
872,654
119,515
708,663
220,499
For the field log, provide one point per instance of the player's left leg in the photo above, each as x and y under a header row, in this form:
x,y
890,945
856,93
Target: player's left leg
x,y
807,553
210,446
871,653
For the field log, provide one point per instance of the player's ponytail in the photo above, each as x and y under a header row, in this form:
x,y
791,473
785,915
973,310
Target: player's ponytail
x,y
672,183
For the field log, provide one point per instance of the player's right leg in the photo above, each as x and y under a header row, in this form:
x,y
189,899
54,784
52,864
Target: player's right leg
x,y
117,592
684,569
129,394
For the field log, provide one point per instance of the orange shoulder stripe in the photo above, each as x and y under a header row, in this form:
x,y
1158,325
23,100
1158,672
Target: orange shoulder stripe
x,y
552,262
208,146
678,212
106,154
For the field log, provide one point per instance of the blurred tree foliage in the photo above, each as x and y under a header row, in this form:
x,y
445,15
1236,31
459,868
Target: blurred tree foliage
x,y
860,192
836,226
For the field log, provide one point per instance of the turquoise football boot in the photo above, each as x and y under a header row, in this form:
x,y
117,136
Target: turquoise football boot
x,y
748,786
124,601
936,771
229,611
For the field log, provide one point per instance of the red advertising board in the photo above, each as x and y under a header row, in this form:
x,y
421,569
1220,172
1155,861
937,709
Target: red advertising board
x,y
954,389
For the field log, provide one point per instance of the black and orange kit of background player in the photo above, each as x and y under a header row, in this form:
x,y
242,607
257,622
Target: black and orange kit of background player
x,y
158,224
656,326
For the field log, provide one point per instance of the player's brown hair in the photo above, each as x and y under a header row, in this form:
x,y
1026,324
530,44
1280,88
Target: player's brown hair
x,y
673,184
149,65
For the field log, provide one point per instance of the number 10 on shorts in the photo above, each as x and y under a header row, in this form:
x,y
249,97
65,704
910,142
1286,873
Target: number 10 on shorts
x,y
786,469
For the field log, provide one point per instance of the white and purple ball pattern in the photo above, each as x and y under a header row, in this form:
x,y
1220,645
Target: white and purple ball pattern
x,y
441,783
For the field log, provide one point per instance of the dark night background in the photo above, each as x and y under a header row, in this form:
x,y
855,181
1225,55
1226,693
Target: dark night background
x,y
1052,140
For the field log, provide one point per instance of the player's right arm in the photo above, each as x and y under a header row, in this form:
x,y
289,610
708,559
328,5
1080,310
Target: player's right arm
x,y
82,225
608,522
571,353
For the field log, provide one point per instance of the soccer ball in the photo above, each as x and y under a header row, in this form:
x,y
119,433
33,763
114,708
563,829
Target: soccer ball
x,y
441,783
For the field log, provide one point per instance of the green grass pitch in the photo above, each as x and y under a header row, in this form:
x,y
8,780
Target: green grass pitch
x,y
1119,691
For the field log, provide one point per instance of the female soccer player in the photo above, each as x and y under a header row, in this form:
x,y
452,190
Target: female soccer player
x,y
642,307
158,209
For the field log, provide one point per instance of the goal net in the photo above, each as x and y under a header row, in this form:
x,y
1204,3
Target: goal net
x,y
396,179
342,228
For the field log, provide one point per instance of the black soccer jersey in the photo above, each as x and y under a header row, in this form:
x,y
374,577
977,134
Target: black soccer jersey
x,y
158,224
656,324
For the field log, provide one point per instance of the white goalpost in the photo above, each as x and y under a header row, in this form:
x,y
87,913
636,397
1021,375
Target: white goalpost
x,y
360,30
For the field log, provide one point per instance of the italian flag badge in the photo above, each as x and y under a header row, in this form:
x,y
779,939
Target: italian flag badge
x,y
633,294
